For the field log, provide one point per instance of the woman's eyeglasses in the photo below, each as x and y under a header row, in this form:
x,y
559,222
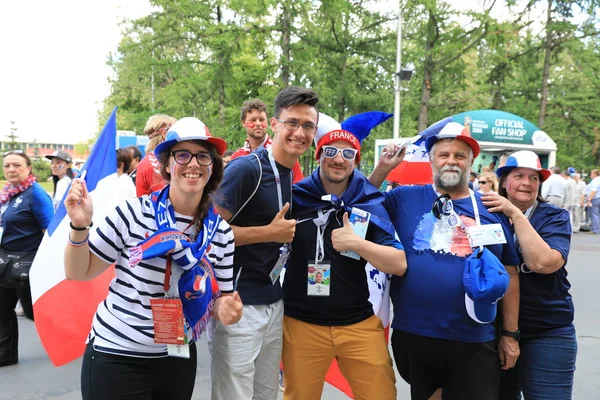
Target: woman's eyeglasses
x,y
484,182
184,157
332,152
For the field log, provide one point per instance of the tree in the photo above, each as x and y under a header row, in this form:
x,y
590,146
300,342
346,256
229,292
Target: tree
x,y
12,136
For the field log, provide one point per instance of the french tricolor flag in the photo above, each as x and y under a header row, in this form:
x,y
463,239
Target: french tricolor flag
x,y
415,169
64,309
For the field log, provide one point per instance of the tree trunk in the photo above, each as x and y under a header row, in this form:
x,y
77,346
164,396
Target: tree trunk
x,y
596,146
497,79
221,75
546,73
341,106
285,44
432,37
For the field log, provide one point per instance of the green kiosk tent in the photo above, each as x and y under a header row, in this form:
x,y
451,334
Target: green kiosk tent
x,y
497,132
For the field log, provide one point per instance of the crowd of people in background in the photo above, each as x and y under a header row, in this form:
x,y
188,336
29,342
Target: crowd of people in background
x,y
564,188
210,231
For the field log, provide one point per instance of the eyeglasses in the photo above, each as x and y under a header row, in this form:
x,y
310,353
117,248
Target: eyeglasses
x,y
332,152
184,157
484,182
294,125
13,152
443,207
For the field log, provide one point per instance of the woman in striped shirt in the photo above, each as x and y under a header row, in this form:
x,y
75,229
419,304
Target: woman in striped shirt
x,y
173,259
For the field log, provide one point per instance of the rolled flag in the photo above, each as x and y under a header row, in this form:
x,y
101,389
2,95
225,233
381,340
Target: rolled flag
x,y
415,169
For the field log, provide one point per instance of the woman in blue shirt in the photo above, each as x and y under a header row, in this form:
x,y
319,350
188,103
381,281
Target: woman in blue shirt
x,y
542,234
26,210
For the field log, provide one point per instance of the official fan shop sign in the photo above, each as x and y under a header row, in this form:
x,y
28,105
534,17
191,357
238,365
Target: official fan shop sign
x,y
500,127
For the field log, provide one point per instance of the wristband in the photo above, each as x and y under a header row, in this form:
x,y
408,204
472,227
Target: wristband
x,y
85,228
78,244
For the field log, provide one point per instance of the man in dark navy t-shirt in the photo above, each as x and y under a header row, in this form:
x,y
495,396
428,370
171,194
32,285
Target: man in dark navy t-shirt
x,y
438,340
256,199
327,311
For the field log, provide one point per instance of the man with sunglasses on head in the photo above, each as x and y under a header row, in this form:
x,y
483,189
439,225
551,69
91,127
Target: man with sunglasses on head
x,y
256,199
254,120
443,327
337,321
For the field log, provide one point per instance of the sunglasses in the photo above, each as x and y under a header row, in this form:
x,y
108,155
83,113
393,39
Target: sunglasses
x,y
184,157
332,152
443,207
484,182
13,152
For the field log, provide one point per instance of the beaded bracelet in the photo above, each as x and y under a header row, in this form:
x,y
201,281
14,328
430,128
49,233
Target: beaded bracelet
x,y
78,244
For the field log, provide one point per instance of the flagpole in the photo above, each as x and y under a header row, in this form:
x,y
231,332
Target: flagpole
x,y
396,133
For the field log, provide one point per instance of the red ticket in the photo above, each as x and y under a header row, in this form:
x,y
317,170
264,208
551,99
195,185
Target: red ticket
x,y
168,321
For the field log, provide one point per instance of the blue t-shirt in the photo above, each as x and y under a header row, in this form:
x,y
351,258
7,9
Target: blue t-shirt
x,y
348,300
545,300
256,260
27,214
429,300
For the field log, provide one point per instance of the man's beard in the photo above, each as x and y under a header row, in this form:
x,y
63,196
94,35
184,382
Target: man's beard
x,y
444,179
256,135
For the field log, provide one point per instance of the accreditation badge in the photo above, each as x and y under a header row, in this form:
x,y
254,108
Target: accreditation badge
x,y
319,279
284,254
484,235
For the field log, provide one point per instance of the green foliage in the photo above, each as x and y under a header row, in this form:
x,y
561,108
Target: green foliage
x,y
41,170
204,58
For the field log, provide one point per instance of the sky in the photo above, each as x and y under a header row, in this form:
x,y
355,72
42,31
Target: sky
x,y
53,75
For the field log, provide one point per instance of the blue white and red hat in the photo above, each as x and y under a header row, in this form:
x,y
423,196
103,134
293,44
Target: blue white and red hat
x,y
353,130
524,159
454,130
189,128
485,281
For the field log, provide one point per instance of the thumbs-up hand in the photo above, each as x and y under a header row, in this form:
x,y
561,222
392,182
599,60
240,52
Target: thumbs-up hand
x,y
344,238
230,309
282,230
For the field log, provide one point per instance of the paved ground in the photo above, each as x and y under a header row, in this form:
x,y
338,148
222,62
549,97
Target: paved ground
x,y
35,377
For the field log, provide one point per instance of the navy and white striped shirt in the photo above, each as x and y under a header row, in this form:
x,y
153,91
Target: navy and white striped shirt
x,y
123,322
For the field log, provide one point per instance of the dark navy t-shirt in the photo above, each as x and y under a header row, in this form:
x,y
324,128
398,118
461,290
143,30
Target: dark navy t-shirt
x,y
256,260
546,303
429,300
27,214
348,300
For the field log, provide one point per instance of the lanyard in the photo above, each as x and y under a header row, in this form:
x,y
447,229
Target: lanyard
x,y
167,284
321,223
278,180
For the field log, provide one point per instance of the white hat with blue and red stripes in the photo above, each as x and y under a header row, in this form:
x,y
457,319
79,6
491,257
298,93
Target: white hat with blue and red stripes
x,y
524,159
